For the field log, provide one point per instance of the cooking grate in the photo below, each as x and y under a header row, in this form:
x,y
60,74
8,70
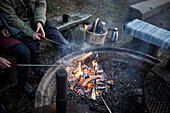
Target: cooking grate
x,y
157,94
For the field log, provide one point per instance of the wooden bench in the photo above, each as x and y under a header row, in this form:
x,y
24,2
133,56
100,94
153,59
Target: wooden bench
x,y
76,18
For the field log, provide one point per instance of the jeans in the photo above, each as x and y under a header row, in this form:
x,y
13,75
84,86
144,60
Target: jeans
x,y
25,53
53,34
28,51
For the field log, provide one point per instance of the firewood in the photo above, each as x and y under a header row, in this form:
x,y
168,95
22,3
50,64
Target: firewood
x,y
77,67
90,79
84,57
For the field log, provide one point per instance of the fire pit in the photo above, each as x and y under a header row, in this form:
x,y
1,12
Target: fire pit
x,y
126,68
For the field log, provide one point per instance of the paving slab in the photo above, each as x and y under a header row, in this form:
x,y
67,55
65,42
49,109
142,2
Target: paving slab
x,y
148,8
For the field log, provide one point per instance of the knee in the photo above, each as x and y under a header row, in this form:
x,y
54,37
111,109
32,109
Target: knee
x,y
31,44
24,54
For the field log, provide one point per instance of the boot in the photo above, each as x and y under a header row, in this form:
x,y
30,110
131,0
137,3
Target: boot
x,y
2,109
30,91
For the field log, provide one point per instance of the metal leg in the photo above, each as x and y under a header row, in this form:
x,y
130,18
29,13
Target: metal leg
x,y
61,97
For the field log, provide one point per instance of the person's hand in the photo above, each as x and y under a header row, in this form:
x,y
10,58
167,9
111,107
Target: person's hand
x,y
40,29
5,32
36,36
4,63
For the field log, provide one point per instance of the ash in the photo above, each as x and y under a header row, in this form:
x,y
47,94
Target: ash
x,y
125,96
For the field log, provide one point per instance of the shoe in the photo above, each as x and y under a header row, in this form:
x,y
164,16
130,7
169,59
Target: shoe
x,y
30,91
2,109
40,74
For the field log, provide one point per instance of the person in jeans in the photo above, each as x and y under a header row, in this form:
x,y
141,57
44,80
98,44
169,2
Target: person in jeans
x,y
29,16
25,50
4,63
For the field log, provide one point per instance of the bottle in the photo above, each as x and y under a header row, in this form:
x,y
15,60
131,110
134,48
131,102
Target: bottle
x,y
102,26
99,27
114,37
92,28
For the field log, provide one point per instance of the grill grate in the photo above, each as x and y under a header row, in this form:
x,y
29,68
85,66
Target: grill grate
x,y
157,94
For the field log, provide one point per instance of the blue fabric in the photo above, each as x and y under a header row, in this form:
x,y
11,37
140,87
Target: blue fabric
x,y
14,31
53,34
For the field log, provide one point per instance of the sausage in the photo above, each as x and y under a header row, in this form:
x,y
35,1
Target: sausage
x,y
84,57
90,79
77,67
74,84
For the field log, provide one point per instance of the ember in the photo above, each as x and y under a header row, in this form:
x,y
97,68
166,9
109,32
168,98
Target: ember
x,y
88,80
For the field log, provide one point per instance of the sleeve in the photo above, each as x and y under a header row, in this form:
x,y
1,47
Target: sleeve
x,y
9,13
40,11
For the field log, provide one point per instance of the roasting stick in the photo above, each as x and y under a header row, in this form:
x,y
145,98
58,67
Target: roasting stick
x,y
39,65
105,104
57,43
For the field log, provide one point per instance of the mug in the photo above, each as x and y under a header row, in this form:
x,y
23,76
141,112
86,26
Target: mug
x,y
65,17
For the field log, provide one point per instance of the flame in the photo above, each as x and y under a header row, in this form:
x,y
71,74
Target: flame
x,y
89,85
82,74
79,72
95,65
97,93
78,92
81,81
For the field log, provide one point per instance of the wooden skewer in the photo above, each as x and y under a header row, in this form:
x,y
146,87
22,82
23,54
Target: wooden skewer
x,y
105,104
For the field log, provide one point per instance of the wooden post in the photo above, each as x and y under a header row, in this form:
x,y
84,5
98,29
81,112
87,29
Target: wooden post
x,y
61,97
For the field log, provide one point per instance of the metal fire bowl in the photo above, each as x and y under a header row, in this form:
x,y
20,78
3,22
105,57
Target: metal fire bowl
x,y
46,92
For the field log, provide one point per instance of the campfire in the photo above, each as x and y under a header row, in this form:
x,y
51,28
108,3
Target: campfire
x,y
89,79
112,76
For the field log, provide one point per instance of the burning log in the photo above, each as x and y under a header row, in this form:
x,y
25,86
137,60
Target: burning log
x,y
77,67
110,82
99,71
90,79
101,88
76,82
106,83
81,59
93,93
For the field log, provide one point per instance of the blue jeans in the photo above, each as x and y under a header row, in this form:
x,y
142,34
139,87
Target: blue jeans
x,y
53,34
25,53
28,51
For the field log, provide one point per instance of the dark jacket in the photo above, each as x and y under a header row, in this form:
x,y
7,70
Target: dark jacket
x,y
22,14
14,31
